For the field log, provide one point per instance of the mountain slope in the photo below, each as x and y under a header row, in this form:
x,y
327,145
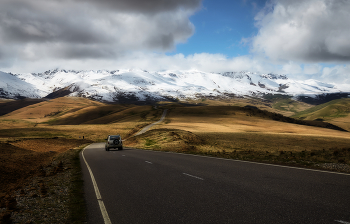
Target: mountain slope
x,y
12,87
8,107
46,110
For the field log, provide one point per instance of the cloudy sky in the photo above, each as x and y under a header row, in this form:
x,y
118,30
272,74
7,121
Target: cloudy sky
x,y
309,38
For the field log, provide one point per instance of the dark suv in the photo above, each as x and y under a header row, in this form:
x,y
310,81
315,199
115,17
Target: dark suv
x,y
114,141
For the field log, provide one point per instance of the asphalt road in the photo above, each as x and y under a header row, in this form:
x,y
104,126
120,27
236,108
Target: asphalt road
x,y
138,186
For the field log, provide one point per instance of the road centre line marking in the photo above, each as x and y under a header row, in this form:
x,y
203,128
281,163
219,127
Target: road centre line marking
x,y
97,192
342,221
242,161
192,176
148,162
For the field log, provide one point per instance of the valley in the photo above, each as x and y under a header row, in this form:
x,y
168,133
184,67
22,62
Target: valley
x,y
274,130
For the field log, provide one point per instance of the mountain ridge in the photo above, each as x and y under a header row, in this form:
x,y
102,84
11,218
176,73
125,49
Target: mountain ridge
x,y
141,85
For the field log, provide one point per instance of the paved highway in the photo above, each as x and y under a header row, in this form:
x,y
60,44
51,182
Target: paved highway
x,y
137,186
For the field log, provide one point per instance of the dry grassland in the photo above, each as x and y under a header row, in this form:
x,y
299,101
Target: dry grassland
x,y
96,132
73,117
282,105
44,111
229,120
269,142
48,145
226,132
2,100
175,139
343,122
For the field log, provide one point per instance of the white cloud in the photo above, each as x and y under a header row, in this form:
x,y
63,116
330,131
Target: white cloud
x,y
75,29
151,61
336,74
304,31
292,68
203,62
312,69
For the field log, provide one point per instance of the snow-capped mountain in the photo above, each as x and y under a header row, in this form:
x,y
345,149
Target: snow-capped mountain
x,y
143,85
13,87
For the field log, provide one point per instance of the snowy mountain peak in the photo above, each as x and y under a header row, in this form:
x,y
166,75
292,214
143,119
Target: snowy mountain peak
x,y
138,84
273,76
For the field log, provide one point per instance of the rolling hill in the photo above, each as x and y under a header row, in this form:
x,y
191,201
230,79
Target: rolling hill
x,y
74,111
327,111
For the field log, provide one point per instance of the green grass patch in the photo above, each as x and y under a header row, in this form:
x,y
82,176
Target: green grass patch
x,y
150,142
286,105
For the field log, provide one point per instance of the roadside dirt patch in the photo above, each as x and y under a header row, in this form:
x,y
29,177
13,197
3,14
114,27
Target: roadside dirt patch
x,y
17,164
22,159
48,145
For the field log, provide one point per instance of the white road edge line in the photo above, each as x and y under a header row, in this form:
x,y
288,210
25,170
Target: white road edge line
x,y
193,176
97,192
148,162
243,161
342,221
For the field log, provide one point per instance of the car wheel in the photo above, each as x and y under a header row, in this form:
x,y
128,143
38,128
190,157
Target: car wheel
x,y
120,148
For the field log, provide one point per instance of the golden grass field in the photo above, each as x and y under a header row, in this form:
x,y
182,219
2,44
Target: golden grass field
x,y
224,129
287,107
74,117
226,119
234,130
199,126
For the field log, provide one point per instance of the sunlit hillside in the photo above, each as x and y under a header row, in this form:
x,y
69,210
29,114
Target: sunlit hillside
x,y
75,117
336,112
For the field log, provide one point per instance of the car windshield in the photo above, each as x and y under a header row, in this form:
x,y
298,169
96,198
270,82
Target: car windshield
x,y
114,137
